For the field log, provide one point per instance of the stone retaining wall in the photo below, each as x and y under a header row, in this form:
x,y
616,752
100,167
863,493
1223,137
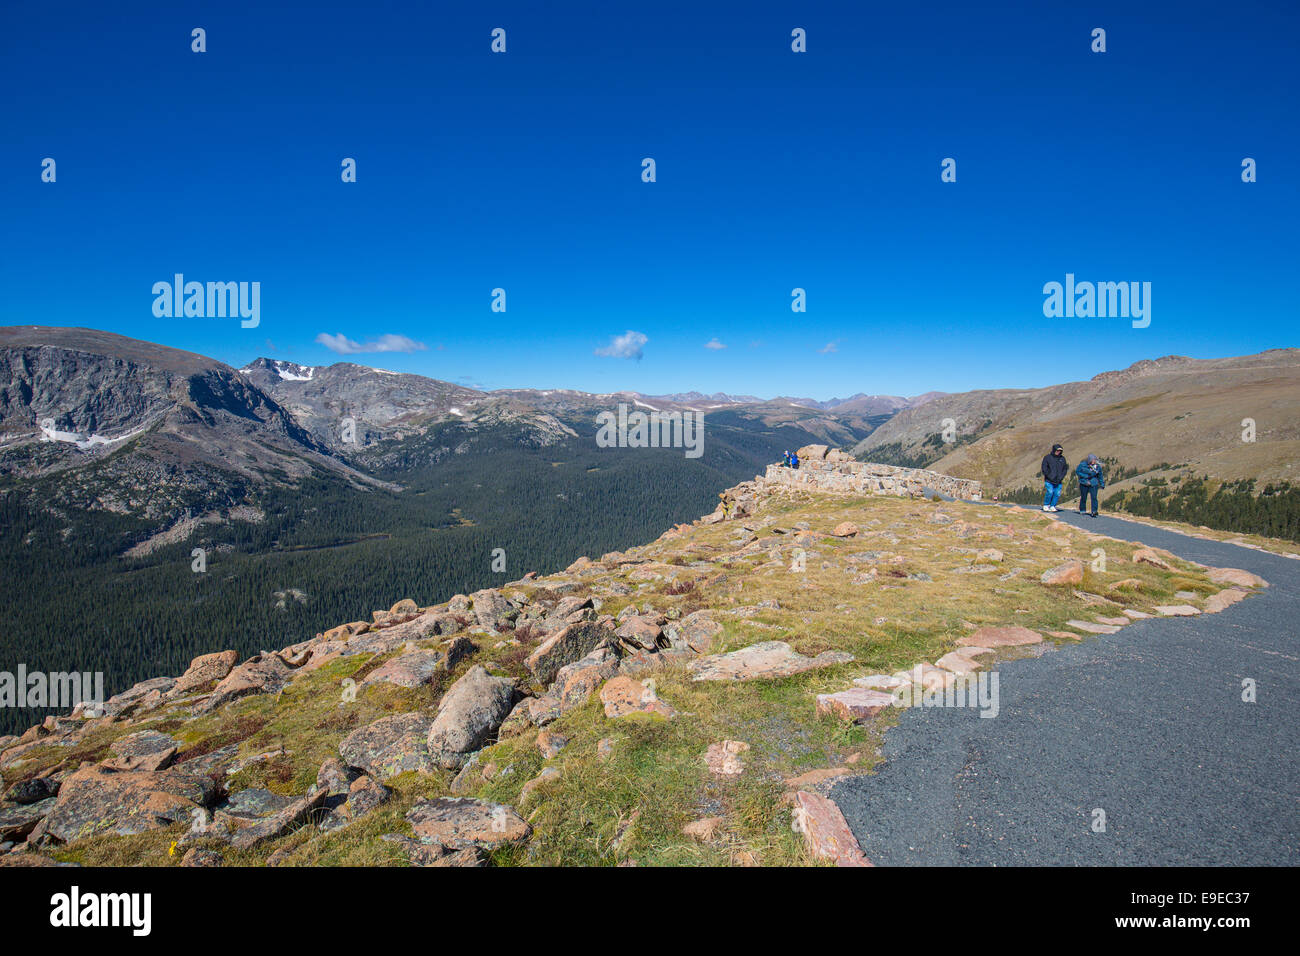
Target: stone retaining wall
x,y
864,477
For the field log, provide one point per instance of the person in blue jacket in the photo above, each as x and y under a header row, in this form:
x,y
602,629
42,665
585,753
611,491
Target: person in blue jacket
x,y
1091,480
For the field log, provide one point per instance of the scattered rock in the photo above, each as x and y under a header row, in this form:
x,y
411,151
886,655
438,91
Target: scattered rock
x,y
571,643
548,775
263,674
468,714
825,831
696,632
856,704
1001,637
1236,577
145,750
17,822
845,529
1177,610
623,695
1224,599
1092,628
390,745
32,790
705,829
95,801
197,857
492,610
723,759
958,663
1148,556
280,822
459,649
407,670
460,823
202,671
764,660
1071,572
550,743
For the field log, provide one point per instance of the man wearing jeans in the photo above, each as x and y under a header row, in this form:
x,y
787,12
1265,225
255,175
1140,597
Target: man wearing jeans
x,y
1055,468
1091,478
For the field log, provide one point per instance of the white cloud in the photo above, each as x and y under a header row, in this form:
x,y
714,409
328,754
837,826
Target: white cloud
x,y
714,344
830,347
628,345
385,343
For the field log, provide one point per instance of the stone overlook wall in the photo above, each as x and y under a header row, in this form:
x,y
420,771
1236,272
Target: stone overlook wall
x,y
829,470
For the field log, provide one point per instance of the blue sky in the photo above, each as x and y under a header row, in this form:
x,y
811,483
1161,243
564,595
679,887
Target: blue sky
x,y
775,170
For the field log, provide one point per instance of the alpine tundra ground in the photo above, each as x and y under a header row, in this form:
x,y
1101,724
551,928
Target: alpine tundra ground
x,y
625,753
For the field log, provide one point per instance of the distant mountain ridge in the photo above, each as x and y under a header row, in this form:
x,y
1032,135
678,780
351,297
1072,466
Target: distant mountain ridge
x,y
1228,418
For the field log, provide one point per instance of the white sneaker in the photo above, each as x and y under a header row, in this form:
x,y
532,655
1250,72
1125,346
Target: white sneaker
x,y
1047,507
1053,508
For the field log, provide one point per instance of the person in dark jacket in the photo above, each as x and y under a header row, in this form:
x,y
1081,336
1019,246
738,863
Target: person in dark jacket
x,y
1091,480
1055,468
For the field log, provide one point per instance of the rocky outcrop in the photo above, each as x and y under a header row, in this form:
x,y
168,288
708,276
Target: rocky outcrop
x,y
849,477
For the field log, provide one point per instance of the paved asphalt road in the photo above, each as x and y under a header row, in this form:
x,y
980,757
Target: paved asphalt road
x,y
1147,724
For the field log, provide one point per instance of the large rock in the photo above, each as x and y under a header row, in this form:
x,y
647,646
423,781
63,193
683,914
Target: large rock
x,y
574,684
1237,578
203,670
855,705
764,660
696,632
145,750
94,801
1071,572
16,822
407,670
280,822
389,746
492,610
812,452
1224,599
1000,637
32,790
468,715
623,695
263,674
825,831
641,631
460,823
1148,556
571,643
142,696
1092,628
